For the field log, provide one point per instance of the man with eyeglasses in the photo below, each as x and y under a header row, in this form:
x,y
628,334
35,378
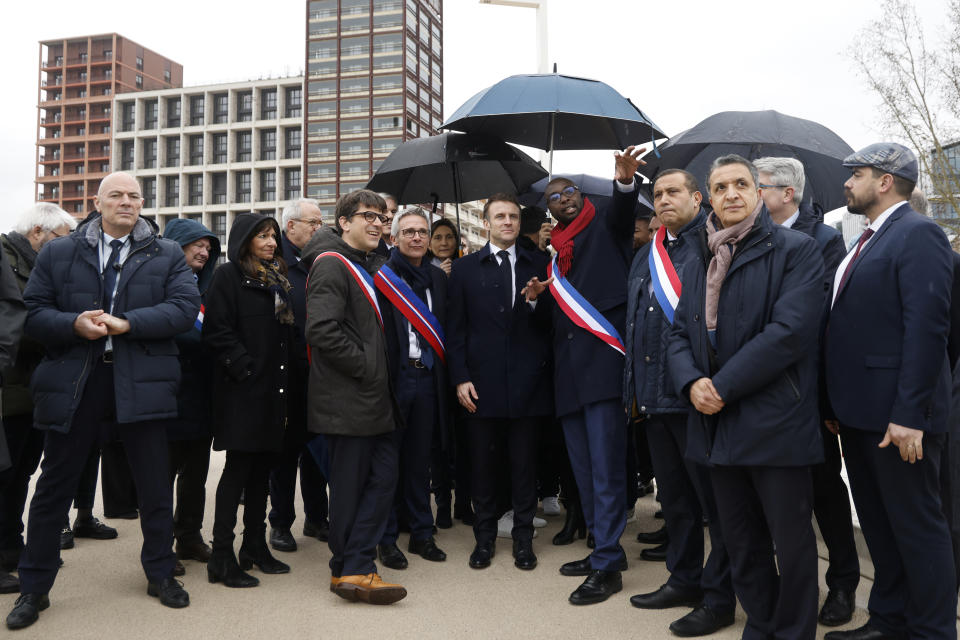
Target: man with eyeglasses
x,y
106,303
386,243
414,322
301,220
350,396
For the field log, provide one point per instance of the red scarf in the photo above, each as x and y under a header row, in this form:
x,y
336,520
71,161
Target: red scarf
x,y
563,235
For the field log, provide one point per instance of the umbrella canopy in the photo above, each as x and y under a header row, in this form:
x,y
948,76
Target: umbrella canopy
x,y
755,134
454,167
552,111
598,189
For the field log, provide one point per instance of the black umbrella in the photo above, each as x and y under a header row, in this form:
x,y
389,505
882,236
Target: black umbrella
x,y
599,190
755,134
454,167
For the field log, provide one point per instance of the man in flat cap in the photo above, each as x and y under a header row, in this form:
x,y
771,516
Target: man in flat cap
x,y
888,386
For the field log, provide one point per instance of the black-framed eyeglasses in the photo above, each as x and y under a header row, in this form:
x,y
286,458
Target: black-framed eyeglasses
x,y
566,191
372,217
774,186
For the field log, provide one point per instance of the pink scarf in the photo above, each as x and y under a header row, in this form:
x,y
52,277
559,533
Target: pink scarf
x,y
723,243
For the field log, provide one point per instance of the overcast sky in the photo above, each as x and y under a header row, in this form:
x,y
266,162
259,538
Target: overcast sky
x,y
678,61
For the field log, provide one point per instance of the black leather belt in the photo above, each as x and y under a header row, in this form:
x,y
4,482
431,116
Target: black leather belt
x,y
107,357
416,363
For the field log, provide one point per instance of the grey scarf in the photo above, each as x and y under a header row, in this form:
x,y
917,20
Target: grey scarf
x,y
723,243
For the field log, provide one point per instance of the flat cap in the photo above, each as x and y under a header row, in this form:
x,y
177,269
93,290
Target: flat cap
x,y
888,157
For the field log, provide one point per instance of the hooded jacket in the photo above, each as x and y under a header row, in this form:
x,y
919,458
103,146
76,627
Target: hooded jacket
x,y
250,348
16,401
196,363
349,388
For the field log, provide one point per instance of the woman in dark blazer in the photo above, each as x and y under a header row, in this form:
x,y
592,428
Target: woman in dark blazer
x,y
248,327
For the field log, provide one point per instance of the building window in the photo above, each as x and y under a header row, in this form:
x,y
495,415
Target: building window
x,y
82,93
150,114
268,185
166,76
196,111
83,56
243,186
196,196
104,167
268,104
107,54
294,102
173,112
218,224
196,150
139,81
173,152
219,148
126,155
219,188
150,192
172,191
293,142
139,63
149,154
268,144
221,110
245,106
244,146
291,184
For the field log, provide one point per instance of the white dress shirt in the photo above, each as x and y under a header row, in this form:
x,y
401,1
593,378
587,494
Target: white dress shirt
x,y
789,222
875,225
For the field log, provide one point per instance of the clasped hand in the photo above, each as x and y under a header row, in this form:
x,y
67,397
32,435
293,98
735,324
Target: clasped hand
x,y
96,323
705,397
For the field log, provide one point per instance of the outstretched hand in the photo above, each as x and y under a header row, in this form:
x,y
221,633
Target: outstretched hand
x,y
627,163
534,288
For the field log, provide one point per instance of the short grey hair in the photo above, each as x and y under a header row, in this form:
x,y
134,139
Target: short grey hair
x,y
732,158
918,201
292,210
785,172
408,211
46,216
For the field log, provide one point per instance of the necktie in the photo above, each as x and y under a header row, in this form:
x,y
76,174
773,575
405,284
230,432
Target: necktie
x,y
507,276
111,271
846,272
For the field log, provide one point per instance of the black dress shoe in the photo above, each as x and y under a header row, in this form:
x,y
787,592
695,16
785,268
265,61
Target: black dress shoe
x,y
598,586
655,554
668,596
282,540
838,608
319,530
66,538
653,537
254,551
427,549
199,551
866,632
179,569
26,610
482,555
583,568
171,593
701,621
92,528
9,583
523,555
223,567
391,556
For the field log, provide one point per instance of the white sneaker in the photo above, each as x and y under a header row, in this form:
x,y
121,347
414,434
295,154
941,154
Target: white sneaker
x,y
505,525
539,522
551,506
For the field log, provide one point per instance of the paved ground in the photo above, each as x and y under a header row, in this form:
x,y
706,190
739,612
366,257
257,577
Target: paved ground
x,y
101,593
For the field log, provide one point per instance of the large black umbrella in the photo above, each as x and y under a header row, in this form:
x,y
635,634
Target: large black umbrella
x,y
599,190
755,134
454,167
553,111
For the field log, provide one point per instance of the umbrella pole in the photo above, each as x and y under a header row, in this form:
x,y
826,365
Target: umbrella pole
x,y
456,197
553,129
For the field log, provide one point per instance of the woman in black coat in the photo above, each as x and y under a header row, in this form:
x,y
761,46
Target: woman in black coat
x,y
248,326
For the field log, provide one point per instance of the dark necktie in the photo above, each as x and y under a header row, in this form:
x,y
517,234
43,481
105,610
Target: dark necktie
x,y
846,272
110,272
507,277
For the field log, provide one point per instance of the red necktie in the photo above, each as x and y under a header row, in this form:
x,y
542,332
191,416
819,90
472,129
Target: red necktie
x,y
846,272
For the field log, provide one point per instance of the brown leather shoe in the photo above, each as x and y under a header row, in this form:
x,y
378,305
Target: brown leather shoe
x,y
334,581
369,588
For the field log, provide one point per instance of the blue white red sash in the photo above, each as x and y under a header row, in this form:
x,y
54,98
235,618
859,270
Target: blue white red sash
x,y
581,313
364,279
663,275
198,323
412,307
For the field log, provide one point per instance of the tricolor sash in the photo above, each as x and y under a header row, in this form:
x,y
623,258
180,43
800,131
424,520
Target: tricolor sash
x,y
198,323
663,275
412,307
364,279
582,313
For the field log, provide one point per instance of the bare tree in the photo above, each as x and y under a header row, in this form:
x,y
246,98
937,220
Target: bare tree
x,y
919,90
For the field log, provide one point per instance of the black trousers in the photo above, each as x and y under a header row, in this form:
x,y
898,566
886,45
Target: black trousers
x,y
550,457
831,506
64,456
763,509
899,508
246,473
363,478
189,463
116,483
283,482
686,493
26,446
492,442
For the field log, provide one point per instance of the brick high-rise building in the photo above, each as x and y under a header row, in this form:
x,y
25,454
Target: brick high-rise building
x,y
374,78
78,79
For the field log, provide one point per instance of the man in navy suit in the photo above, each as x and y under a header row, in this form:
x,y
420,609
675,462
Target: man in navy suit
x,y
888,383
500,362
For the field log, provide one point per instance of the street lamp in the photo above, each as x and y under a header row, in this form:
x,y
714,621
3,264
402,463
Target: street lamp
x,y
543,63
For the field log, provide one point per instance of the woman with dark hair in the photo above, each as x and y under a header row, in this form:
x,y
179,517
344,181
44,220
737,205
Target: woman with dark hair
x,y
248,326
444,241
